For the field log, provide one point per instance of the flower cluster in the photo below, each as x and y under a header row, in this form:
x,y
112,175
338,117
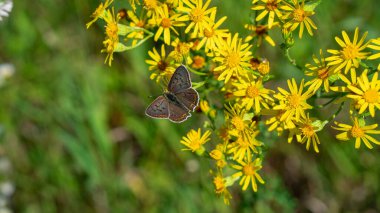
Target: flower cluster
x,y
225,65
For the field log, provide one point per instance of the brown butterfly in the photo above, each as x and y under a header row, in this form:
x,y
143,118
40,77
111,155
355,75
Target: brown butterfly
x,y
178,101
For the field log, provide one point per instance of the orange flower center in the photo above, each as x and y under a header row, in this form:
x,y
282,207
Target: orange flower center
x,y
238,123
323,73
294,100
233,60
308,130
261,30
271,5
209,33
357,132
350,52
299,15
162,65
252,92
166,23
196,15
249,169
371,96
140,24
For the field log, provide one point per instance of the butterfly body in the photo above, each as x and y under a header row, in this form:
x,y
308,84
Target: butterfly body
x,y
176,103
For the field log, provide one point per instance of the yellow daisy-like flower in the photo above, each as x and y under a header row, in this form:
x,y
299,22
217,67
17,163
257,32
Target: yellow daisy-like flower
x,y
294,102
248,172
375,45
351,52
99,12
111,41
233,58
238,124
321,71
181,51
306,131
366,94
161,65
260,32
212,36
194,140
270,7
243,147
252,94
298,16
197,14
167,22
357,131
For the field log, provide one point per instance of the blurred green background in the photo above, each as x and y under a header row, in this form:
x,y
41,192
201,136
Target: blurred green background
x,y
75,138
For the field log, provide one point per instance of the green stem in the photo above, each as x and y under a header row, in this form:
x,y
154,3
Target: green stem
x,y
292,60
336,113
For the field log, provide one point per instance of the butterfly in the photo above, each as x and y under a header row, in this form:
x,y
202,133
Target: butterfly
x,y
178,101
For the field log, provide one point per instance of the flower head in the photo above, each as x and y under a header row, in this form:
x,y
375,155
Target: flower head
x,y
306,132
321,71
252,94
194,140
366,93
99,12
293,102
271,7
233,58
166,22
160,64
111,42
248,172
357,131
197,14
298,16
350,54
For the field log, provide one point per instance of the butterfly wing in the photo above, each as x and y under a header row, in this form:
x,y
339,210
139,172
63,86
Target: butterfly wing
x,y
180,80
178,113
188,97
159,108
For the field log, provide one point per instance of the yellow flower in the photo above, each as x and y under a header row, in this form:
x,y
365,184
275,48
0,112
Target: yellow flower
x,y
99,12
274,122
194,140
167,22
111,41
375,45
264,67
248,172
238,124
161,65
261,32
294,102
135,22
351,52
298,17
197,14
203,104
233,58
366,94
243,147
352,82
212,36
306,131
270,7
252,94
321,71
221,188
357,131
181,51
